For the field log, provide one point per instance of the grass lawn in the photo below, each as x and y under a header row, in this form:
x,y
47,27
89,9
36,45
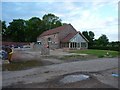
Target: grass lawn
x,y
14,66
77,57
98,53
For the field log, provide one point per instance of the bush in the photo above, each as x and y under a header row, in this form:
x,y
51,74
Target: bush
x,y
100,56
105,48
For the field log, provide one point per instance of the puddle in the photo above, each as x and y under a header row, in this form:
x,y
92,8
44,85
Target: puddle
x,y
115,75
74,78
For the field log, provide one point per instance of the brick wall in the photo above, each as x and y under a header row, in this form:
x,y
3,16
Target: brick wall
x,y
54,40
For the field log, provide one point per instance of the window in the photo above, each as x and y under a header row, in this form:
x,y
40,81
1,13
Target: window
x,y
83,44
39,42
49,39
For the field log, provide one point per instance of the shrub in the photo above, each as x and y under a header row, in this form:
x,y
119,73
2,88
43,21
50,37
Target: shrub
x,y
115,48
100,56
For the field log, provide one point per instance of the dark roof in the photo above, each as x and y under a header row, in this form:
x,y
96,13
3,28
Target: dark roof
x,y
68,37
55,30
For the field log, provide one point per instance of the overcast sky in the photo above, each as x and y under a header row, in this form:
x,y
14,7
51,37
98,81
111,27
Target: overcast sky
x,y
101,17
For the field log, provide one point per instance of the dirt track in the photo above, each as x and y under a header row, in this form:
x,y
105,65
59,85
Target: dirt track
x,y
46,73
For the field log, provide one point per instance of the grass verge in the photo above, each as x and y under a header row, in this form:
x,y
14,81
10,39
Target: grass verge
x,y
78,57
98,53
14,66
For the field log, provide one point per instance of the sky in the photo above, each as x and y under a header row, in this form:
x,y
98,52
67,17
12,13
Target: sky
x,y
101,16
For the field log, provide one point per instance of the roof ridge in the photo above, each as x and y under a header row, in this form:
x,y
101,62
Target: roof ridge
x,y
54,30
59,27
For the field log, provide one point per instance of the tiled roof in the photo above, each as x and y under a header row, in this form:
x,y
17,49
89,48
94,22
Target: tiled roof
x,y
68,37
55,30
62,28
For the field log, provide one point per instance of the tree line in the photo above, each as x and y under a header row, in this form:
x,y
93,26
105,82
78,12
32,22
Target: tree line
x,y
20,30
101,43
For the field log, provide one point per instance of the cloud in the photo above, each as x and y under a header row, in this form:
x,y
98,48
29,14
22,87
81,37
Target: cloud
x,y
59,1
90,19
99,17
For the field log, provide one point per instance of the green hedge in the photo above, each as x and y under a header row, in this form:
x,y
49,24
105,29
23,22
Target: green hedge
x,y
105,48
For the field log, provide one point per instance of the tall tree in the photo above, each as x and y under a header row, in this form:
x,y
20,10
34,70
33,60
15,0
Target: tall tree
x,y
103,40
20,30
4,31
90,36
16,30
51,21
34,28
0,30
85,33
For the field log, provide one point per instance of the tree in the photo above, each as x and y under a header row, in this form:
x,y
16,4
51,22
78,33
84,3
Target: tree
x,y
85,33
20,30
34,27
4,30
90,36
16,30
51,21
103,40
0,30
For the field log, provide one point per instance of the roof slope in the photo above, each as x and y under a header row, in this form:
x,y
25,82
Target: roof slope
x,y
71,35
83,36
62,28
68,37
55,30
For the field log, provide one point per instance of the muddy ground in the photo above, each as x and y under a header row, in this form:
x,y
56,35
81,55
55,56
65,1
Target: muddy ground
x,y
98,79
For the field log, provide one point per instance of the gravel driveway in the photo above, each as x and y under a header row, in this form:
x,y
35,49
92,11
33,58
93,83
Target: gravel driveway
x,y
45,73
